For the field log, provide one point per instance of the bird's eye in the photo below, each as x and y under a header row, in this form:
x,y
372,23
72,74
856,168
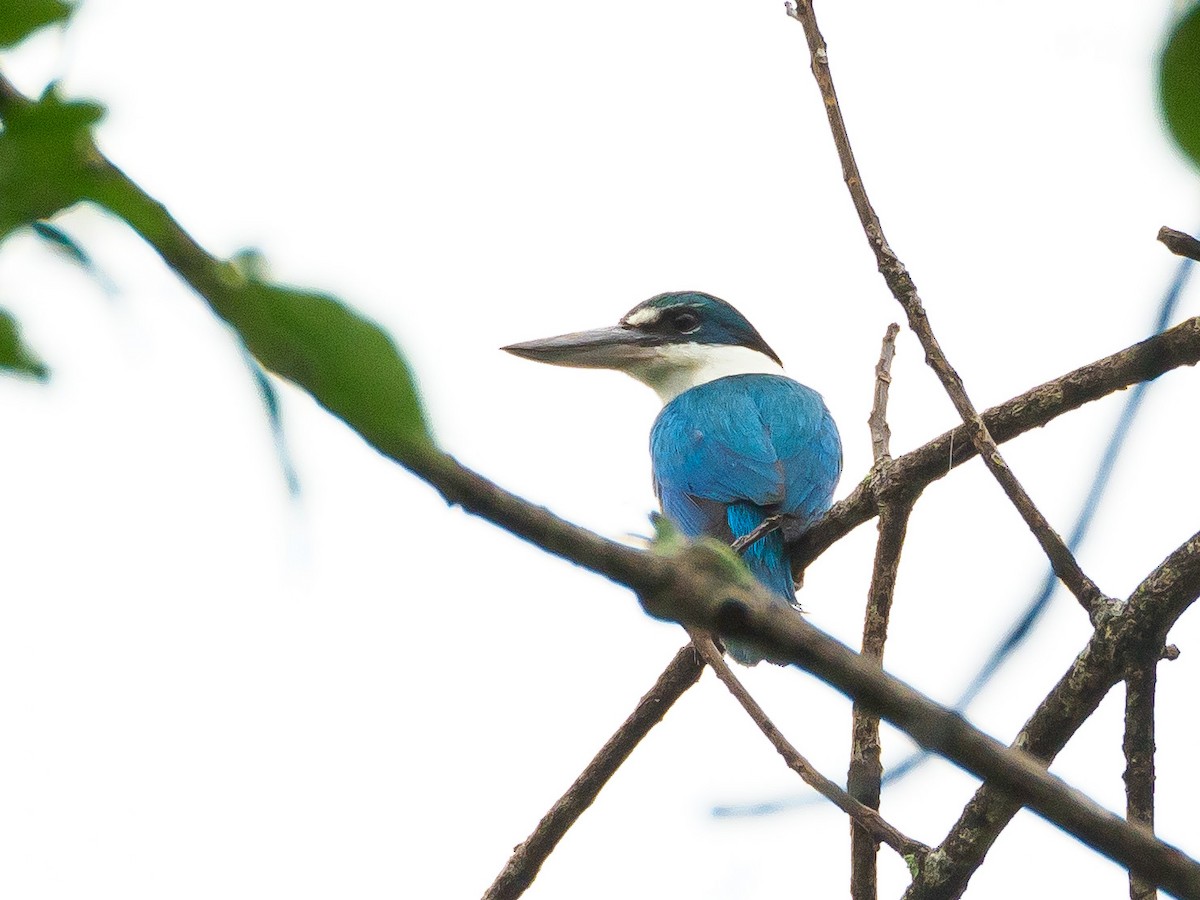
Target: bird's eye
x,y
685,322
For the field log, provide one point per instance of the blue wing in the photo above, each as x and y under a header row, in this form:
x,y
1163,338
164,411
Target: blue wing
x,y
729,453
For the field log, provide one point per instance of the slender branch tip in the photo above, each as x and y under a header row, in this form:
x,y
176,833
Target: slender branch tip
x,y
1180,243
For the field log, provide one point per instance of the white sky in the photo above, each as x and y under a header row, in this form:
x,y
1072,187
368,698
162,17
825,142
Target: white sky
x,y
207,690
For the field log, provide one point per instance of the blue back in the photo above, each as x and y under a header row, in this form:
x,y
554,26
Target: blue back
x,y
731,452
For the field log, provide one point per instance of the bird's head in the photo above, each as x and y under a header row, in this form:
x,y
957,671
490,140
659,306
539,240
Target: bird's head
x,y
671,342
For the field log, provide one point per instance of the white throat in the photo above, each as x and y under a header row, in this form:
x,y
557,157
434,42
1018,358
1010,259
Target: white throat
x,y
675,368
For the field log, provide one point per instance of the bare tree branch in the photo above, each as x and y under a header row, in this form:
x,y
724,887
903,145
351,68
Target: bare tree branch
x,y
1124,631
1180,243
905,291
870,820
865,775
911,473
1138,747
1134,630
527,859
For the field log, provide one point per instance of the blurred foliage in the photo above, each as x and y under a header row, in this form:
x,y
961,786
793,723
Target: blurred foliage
x,y
20,18
15,356
45,149
48,162
347,362
1179,83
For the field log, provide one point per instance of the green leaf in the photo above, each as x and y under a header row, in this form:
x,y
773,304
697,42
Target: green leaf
x,y
717,555
668,539
348,363
15,356
20,18
45,151
1179,83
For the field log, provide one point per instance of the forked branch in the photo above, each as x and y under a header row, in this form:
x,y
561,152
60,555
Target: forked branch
x,y
910,474
1134,630
903,288
1014,776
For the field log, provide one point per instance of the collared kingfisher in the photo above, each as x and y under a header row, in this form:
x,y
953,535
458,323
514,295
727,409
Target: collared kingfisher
x,y
736,441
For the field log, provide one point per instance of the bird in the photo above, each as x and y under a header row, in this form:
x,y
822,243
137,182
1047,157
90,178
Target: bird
x,y
736,442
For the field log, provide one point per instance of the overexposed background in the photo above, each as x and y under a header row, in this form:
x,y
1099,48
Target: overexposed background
x,y
207,688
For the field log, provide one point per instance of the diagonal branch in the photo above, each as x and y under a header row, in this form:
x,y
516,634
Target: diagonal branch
x,y
1135,630
869,819
527,859
1014,776
910,474
905,291
765,527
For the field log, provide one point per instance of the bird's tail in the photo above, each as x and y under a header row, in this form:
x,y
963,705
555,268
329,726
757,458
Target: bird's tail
x,y
768,561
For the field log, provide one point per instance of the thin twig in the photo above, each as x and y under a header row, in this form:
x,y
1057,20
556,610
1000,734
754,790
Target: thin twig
x,y
865,775
881,434
905,291
1180,243
765,527
866,768
1138,746
527,859
875,824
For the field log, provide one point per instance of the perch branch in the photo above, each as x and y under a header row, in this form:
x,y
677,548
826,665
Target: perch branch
x,y
867,818
527,859
903,288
